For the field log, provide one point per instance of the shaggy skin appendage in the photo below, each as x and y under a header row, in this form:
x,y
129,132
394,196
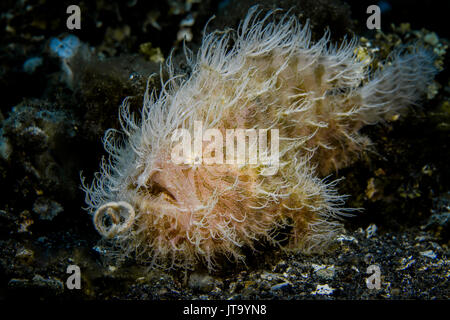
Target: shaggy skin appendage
x,y
267,74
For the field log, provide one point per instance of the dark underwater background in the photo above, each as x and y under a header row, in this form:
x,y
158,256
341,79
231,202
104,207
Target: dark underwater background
x,y
54,111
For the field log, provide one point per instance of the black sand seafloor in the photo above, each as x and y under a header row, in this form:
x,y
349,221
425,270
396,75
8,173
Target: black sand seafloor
x,y
56,104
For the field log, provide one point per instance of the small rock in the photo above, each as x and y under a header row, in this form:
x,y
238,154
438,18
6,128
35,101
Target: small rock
x,y
405,263
51,283
344,237
47,209
323,290
324,271
269,276
431,38
439,219
24,254
5,147
30,65
201,282
429,254
18,283
188,21
6,215
65,48
436,246
283,285
112,268
25,222
371,231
